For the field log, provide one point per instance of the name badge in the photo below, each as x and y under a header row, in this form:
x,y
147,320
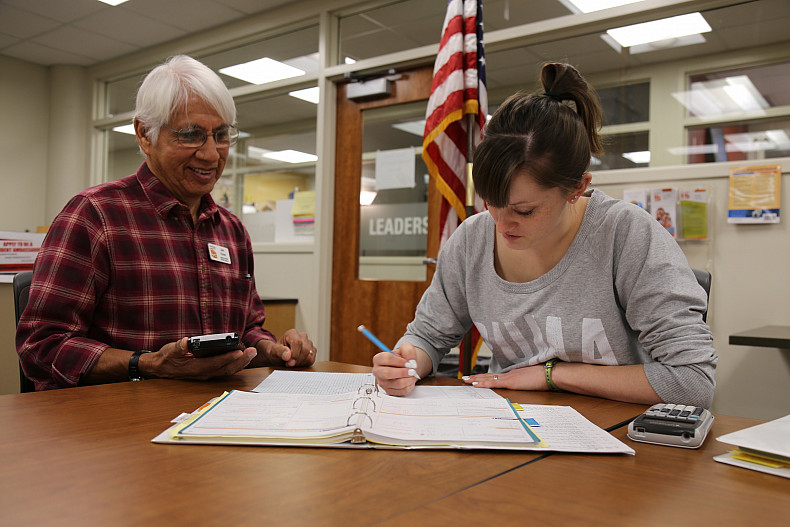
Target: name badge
x,y
219,253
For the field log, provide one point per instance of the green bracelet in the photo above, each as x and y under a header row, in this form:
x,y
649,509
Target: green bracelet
x,y
547,370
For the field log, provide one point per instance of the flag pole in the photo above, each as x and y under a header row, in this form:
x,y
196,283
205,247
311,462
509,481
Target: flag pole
x,y
466,366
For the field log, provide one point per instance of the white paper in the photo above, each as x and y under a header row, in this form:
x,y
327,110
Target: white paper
x,y
316,383
566,430
772,437
395,168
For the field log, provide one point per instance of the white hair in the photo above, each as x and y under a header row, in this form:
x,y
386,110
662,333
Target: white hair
x,y
168,87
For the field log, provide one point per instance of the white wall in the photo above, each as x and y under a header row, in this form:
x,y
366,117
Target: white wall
x,y
24,133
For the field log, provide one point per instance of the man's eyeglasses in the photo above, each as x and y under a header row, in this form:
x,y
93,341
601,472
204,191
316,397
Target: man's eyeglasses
x,y
197,137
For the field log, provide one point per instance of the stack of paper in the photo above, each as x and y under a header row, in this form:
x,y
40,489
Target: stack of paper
x,y
764,447
303,213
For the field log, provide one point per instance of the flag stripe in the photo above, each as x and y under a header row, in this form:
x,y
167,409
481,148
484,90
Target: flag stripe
x,y
458,88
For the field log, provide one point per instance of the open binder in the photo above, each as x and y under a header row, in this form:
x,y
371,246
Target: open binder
x,y
365,418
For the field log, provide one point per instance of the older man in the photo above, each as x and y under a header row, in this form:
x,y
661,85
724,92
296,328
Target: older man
x,y
131,268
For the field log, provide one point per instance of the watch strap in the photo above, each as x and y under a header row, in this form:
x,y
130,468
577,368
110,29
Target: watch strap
x,y
134,366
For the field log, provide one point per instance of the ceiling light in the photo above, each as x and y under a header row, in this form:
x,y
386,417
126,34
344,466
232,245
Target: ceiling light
x,y
659,45
366,197
291,156
124,129
308,94
716,97
639,158
412,127
261,71
112,2
666,28
588,6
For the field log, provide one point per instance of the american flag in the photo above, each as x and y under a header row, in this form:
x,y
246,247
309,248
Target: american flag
x,y
458,88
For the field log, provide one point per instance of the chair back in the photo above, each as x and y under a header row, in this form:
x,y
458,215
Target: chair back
x,y
704,278
21,294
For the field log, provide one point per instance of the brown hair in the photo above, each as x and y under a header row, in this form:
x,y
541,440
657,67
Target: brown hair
x,y
540,134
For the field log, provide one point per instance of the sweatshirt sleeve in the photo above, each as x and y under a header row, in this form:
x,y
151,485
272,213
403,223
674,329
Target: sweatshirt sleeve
x,y
442,316
663,303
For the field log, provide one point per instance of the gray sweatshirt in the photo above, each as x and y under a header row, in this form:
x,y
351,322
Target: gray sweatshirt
x,y
622,294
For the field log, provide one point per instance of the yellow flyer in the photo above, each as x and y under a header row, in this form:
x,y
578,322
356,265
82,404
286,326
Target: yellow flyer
x,y
755,194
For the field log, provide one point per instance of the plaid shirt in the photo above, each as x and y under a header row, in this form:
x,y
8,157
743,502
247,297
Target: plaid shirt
x,y
123,266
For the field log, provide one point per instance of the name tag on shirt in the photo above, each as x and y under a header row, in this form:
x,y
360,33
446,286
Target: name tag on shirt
x,y
219,253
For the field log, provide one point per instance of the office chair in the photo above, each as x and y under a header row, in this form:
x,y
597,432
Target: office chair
x,y
704,278
21,293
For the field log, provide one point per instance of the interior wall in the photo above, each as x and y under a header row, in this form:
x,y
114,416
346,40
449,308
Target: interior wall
x,y
24,112
749,289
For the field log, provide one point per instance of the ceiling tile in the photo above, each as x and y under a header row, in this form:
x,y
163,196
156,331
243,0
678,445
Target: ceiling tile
x,y
45,55
129,27
60,10
200,15
84,43
22,24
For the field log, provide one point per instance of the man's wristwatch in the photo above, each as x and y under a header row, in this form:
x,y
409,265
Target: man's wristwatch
x,y
134,366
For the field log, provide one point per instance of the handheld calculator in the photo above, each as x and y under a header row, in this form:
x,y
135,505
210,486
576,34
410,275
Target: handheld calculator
x,y
672,424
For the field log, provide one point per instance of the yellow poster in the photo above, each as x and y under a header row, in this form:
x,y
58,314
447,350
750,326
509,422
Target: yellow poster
x,y
755,194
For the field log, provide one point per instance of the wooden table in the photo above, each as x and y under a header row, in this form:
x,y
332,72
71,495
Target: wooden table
x,y
659,486
83,456
766,336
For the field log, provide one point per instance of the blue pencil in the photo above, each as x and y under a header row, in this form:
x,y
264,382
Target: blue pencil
x,y
365,331
411,364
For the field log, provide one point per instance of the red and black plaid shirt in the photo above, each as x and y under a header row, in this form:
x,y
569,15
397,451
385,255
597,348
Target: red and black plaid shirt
x,y
123,266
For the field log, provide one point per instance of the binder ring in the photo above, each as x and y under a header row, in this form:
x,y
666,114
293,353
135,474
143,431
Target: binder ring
x,y
348,421
373,402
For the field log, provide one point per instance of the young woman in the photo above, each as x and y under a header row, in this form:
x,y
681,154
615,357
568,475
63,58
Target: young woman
x,y
570,289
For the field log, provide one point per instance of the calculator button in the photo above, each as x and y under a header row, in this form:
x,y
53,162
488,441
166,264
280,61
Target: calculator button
x,y
674,413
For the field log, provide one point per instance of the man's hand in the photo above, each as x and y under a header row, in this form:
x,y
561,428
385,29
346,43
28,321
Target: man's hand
x,y
175,362
293,349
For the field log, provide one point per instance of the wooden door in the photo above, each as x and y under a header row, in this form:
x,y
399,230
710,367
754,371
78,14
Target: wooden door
x,y
384,306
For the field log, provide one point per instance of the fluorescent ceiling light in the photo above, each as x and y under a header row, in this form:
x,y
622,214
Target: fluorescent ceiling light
x,y
366,197
658,45
717,97
308,94
776,140
112,2
588,6
640,158
261,71
124,129
291,156
666,28
412,127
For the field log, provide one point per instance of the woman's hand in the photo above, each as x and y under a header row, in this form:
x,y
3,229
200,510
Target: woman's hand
x,y
396,374
526,378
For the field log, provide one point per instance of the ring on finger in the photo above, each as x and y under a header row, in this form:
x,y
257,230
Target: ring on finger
x,y
496,377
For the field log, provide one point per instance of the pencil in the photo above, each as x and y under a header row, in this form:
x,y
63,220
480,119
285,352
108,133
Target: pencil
x,y
411,364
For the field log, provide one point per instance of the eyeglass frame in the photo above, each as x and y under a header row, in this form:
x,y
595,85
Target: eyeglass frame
x,y
229,128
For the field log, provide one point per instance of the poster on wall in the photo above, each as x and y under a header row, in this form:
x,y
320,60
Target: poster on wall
x,y
694,214
663,207
18,250
755,194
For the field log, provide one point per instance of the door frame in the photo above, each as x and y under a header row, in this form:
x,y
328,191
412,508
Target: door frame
x,y
383,306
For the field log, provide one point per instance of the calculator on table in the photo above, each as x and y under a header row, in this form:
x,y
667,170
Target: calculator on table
x,y
672,424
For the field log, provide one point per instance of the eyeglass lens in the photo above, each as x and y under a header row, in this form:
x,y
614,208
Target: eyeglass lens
x,y
196,137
